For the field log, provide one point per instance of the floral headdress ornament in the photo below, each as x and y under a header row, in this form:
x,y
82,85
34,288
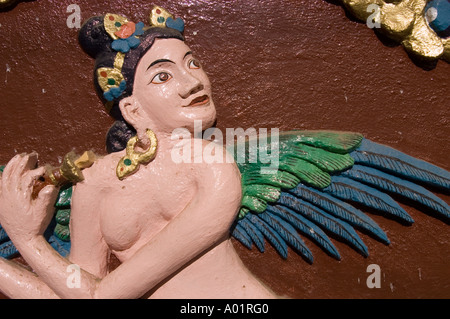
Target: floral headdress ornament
x,y
125,35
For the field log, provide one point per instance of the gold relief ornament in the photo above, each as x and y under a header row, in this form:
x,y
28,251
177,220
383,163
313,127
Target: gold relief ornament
x,y
125,35
117,26
130,163
159,16
70,171
6,3
111,80
421,26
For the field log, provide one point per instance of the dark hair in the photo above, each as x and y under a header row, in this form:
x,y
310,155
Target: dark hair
x,y
96,42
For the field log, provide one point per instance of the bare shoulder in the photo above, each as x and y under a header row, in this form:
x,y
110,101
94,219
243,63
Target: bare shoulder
x,y
103,170
218,187
99,176
216,168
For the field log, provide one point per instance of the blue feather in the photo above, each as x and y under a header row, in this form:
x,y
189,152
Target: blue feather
x,y
306,227
62,247
348,189
241,235
255,234
399,186
330,223
7,250
288,233
3,235
340,209
272,235
388,159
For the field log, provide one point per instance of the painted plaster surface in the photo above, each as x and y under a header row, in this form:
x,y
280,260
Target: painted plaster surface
x,y
324,72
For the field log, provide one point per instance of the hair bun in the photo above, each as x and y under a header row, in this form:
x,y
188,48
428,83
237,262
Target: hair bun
x,y
93,37
118,135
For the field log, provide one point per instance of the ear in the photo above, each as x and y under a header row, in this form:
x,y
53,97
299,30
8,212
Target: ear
x,y
131,111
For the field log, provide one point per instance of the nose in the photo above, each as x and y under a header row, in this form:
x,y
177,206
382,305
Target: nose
x,y
190,85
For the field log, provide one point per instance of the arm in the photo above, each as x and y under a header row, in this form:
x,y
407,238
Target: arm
x,y
204,222
18,282
88,248
25,220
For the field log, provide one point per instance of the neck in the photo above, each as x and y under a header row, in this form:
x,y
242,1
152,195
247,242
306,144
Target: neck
x,y
166,140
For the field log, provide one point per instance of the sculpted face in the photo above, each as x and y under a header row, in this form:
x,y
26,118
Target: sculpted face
x,y
171,88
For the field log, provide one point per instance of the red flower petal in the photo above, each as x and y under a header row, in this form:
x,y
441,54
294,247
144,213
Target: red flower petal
x,y
126,30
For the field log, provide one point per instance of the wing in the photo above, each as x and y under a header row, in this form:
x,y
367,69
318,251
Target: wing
x,y
57,233
319,177
322,177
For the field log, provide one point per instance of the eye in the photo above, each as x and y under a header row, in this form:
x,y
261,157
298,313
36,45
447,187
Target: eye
x,y
161,78
194,64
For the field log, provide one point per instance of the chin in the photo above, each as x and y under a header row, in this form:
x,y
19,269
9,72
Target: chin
x,y
207,116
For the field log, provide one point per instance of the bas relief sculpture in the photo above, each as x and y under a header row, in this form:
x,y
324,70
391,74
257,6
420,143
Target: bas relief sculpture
x,y
170,222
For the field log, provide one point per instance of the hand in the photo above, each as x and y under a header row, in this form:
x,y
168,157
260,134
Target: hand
x,y
20,215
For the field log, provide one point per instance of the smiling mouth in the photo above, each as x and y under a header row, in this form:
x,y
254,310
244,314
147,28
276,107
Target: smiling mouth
x,y
201,100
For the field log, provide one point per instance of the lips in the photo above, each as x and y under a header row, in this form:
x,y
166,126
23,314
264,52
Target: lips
x,y
201,100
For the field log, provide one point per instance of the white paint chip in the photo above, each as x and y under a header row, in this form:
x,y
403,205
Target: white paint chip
x,y
8,70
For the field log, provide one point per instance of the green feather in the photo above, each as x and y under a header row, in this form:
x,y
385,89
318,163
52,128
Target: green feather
x,y
63,216
242,212
303,156
279,178
305,171
333,141
265,192
327,161
62,232
64,197
253,203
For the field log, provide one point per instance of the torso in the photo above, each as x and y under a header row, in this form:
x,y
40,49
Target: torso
x,y
135,209
132,211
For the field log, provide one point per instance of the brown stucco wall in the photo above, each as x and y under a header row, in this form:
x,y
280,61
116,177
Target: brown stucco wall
x,y
276,63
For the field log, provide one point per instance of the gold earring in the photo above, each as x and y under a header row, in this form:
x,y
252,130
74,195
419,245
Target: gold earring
x,y
131,161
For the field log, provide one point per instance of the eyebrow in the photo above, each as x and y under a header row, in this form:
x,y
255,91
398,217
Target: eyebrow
x,y
166,60
159,61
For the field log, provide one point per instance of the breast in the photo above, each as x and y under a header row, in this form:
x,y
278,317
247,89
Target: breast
x,y
136,209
